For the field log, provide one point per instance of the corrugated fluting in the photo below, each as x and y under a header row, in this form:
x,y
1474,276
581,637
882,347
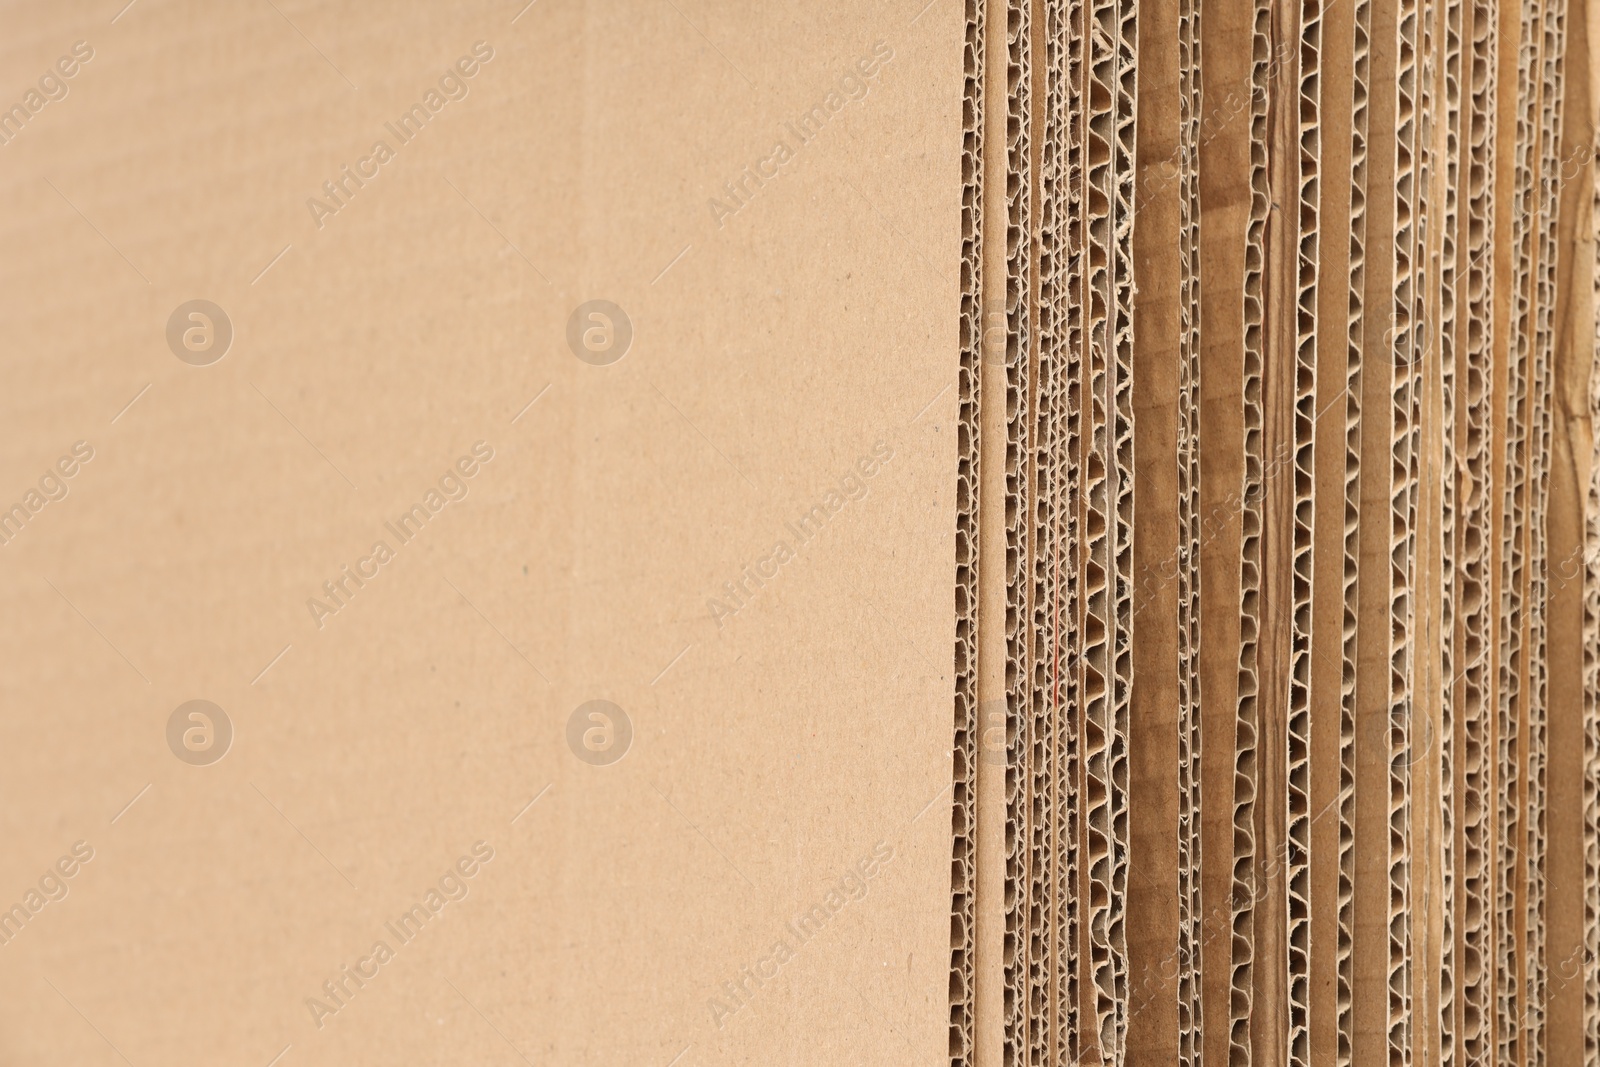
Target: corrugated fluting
x,y
1277,722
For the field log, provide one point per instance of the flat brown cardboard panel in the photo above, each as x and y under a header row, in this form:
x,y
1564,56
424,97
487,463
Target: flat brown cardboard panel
x,y
796,729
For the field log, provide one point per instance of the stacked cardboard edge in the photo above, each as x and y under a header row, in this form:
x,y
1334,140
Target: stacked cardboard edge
x,y
1277,712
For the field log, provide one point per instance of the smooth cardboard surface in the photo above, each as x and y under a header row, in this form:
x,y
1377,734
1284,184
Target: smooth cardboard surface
x,y
789,380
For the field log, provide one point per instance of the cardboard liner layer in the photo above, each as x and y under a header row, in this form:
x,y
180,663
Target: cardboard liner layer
x,y
1329,621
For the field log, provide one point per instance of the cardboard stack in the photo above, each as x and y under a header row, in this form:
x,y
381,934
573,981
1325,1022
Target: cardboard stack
x,y
1279,428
